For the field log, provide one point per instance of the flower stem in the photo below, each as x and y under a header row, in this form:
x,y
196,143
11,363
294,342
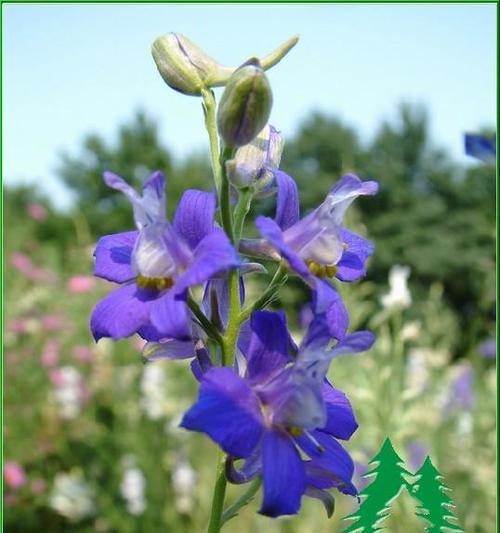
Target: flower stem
x,y
219,493
241,211
205,323
243,500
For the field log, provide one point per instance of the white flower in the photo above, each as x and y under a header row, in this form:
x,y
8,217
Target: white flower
x,y
153,391
183,482
132,489
68,391
72,497
399,296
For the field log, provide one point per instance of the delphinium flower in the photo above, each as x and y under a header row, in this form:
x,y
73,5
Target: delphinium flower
x,y
278,405
481,147
157,264
262,398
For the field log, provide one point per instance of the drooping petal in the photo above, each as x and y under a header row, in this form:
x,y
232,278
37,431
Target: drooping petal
x,y
168,349
120,314
272,232
340,420
268,350
113,256
330,312
170,317
250,468
194,217
287,207
324,497
213,254
283,475
352,264
344,192
228,411
330,466
356,342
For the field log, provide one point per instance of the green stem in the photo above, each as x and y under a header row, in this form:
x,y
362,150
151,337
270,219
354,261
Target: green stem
x,y
211,126
243,500
225,200
219,494
205,323
241,211
277,280
233,323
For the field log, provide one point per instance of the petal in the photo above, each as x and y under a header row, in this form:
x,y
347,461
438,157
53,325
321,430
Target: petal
x,y
202,363
268,350
119,184
119,314
170,317
194,217
360,341
330,312
168,349
228,411
151,256
213,254
283,475
330,466
287,208
341,422
153,196
251,467
272,232
351,266
480,147
345,192
113,256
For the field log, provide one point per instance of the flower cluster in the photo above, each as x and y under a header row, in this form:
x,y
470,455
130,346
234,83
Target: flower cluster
x,y
265,400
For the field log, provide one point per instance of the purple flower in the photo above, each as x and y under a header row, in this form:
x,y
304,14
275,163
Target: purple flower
x,y
281,404
488,348
481,147
158,263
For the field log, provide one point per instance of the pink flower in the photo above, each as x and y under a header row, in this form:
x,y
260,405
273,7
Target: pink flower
x,y
83,353
50,354
37,211
53,322
14,475
18,326
22,263
56,376
80,284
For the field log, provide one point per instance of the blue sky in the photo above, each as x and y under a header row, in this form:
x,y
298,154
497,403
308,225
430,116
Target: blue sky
x,y
72,69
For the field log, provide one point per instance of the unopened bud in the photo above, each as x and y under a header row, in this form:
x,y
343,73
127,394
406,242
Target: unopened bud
x,y
245,105
183,66
254,163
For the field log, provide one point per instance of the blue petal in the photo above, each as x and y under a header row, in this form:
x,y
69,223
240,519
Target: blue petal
x,y
213,254
352,264
345,191
272,232
194,217
113,256
283,475
360,341
481,147
228,411
168,349
287,208
269,345
341,422
170,317
120,314
330,313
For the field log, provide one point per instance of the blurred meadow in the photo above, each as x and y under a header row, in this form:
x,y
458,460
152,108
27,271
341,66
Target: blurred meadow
x,y
91,441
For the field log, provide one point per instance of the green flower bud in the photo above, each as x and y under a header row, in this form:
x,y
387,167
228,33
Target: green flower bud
x,y
253,164
183,66
245,105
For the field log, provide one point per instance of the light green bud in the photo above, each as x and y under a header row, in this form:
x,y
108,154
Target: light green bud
x,y
245,105
183,66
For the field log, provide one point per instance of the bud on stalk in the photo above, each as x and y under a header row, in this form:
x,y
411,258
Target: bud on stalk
x,y
245,105
182,65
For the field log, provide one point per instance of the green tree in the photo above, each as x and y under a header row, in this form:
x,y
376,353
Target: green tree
x,y
379,494
435,505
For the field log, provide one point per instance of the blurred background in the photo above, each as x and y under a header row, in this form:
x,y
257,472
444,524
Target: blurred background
x,y
91,441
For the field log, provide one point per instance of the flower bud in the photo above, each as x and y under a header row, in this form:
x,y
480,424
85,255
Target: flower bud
x,y
183,66
245,105
254,163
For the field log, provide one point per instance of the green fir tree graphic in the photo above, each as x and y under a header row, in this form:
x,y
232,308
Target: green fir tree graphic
x,y
378,496
434,503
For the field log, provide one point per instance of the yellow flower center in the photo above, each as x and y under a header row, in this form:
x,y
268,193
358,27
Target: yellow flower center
x,y
156,284
322,271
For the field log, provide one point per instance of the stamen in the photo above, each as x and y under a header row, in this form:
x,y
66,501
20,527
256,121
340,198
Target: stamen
x,y
157,284
345,246
295,432
319,447
322,271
